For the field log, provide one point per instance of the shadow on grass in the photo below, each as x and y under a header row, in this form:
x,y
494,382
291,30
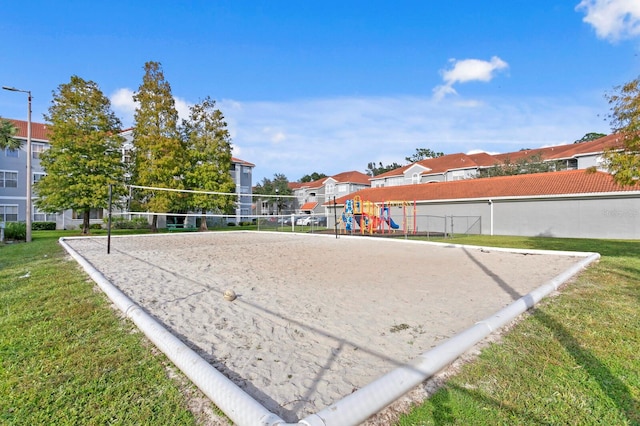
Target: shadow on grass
x,y
617,391
608,248
442,414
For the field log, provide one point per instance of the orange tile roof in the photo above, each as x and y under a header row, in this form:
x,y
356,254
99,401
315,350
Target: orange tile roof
x,y
309,206
614,141
447,162
239,161
391,173
294,185
39,131
540,184
483,159
459,161
351,177
344,177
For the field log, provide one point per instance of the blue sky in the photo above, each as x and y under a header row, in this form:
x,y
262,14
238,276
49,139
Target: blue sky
x,y
330,86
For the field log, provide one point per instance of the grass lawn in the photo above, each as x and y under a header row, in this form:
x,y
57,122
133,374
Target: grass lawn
x,y
67,358
573,361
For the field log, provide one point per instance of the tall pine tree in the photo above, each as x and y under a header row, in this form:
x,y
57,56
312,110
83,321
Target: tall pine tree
x,y
84,157
209,150
159,156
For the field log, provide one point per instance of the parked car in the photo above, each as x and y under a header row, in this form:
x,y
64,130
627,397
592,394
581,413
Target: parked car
x,y
303,220
319,220
312,220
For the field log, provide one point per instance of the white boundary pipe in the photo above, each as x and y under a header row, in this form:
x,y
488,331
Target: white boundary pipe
x,y
369,400
233,401
355,408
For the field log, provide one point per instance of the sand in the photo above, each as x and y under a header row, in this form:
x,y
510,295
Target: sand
x,y
315,317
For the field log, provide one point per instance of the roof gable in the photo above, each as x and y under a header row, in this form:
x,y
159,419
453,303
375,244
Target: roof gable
x,y
242,162
351,177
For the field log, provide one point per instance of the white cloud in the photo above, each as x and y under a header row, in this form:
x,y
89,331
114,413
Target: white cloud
x,y
612,19
182,106
124,106
334,135
466,70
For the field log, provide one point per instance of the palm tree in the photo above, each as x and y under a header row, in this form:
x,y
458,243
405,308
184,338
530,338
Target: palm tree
x,y
7,133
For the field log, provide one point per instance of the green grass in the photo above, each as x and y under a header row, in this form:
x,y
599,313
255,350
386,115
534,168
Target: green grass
x,y
573,361
67,358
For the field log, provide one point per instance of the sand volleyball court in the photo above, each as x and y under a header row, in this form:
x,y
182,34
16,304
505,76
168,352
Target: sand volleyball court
x,y
315,317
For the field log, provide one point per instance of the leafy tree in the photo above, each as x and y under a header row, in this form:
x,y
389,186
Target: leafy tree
x,y
588,137
523,166
277,187
422,154
7,133
160,156
624,164
209,152
312,177
84,157
373,170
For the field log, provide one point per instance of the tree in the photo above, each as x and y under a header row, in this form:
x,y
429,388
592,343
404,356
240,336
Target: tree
x,y
159,157
312,177
276,188
84,158
422,154
588,137
7,135
624,164
209,151
373,170
523,166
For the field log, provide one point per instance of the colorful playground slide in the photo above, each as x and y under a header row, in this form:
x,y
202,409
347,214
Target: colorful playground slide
x,y
353,213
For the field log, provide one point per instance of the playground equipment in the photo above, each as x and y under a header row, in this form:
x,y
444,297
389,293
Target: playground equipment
x,y
372,217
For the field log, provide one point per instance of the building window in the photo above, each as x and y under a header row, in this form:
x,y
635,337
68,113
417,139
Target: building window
x,y
126,155
37,149
38,176
458,175
8,179
93,214
11,152
8,213
40,216
246,170
329,188
415,178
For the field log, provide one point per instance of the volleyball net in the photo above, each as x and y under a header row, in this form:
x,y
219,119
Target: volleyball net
x,y
184,208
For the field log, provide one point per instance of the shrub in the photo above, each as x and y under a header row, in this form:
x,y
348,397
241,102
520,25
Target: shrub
x,y
43,226
231,224
15,231
124,223
95,226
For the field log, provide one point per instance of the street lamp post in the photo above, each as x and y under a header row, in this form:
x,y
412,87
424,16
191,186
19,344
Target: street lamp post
x,y
29,177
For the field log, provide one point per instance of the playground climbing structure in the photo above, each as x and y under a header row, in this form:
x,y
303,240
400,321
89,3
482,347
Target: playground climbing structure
x,y
371,217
